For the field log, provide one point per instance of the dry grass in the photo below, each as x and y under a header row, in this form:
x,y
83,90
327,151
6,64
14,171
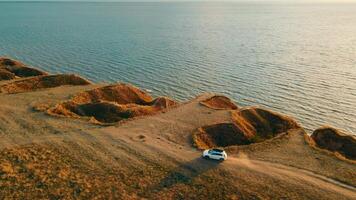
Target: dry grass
x,y
48,172
151,157
44,157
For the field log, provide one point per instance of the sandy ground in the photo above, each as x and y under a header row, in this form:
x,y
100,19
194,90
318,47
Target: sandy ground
x,y
152,157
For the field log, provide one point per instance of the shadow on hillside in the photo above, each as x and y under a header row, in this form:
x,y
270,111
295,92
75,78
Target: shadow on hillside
x,y
186,172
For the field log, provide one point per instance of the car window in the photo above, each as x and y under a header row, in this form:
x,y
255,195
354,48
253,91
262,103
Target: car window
x,y
218,150
216,154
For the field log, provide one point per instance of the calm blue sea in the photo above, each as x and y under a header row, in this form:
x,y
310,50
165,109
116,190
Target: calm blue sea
x,y
298,59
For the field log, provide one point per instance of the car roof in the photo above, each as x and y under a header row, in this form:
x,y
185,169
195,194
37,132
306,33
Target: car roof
x,y
218,150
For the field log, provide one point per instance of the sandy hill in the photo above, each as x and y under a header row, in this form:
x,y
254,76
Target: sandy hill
x,y
153,156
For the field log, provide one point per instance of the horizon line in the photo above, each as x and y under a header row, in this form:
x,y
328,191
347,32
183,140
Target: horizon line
x,y
182,1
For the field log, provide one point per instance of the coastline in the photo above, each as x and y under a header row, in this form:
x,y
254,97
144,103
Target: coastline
x,y
150,154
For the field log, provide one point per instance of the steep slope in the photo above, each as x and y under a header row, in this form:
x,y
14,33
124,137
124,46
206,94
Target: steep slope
x,y
219,102
111,104
42,82
249,125
10,69
335,140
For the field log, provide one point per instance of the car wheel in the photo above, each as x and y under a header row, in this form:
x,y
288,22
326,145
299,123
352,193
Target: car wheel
x,y
221,159
206,157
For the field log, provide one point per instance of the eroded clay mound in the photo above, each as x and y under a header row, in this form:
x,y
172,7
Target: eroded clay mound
x,y
112,104
219,135
247,126
163,102
10,69
219,103
107,112
120,93
6,75
10,62
336,141
261,124
41,82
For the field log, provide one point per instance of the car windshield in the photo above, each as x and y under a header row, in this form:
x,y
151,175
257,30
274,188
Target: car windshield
x,y
213,152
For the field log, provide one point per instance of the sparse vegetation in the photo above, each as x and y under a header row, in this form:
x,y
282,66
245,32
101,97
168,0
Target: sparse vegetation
x,y
44,157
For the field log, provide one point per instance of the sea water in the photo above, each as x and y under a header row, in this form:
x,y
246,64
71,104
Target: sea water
x,y
298,59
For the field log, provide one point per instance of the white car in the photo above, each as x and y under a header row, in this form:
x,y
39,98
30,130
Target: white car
x,y
216,154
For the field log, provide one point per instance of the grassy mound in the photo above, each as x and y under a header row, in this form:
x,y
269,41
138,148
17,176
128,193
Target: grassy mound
x,y
10,69
41,82
111,104
219,103
334,140
247,126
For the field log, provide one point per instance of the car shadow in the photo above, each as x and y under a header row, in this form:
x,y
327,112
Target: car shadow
x,y
186,172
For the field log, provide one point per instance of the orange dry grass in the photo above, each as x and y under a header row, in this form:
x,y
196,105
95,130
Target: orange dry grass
x,y
50,172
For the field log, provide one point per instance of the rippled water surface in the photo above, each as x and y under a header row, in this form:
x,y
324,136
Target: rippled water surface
x,y
297,59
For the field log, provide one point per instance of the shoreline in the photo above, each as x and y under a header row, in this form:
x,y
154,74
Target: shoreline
x,y
146,148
